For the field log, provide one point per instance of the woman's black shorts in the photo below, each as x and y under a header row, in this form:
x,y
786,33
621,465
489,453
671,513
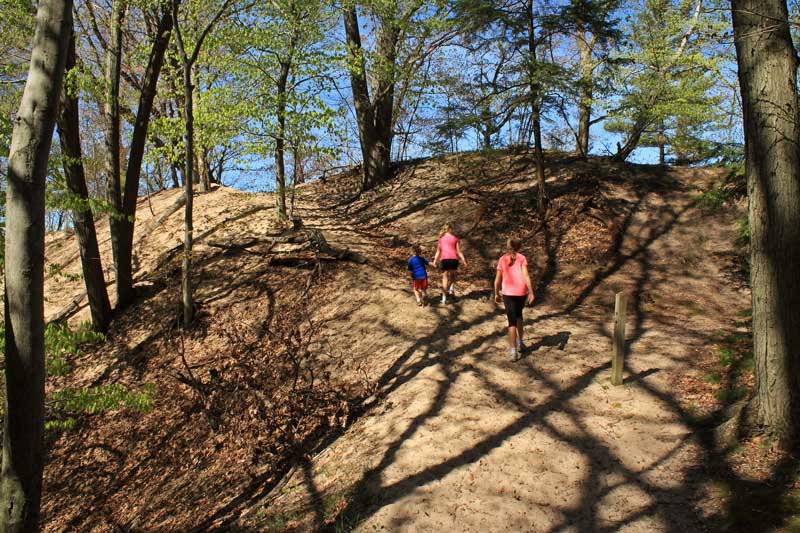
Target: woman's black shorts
x,y
449,264
514,306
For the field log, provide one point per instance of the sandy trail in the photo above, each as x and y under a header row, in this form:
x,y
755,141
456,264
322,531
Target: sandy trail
x,y
458,437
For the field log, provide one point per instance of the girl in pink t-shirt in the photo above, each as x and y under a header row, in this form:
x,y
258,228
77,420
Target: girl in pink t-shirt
x,y
448,252
513,283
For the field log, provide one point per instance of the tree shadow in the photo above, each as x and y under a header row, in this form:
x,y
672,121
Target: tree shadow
x,y
677,507
559,340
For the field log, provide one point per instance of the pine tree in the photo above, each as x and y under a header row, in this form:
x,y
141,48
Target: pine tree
x,y
667,81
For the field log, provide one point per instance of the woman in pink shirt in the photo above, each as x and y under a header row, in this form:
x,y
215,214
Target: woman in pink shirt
x,y
513,283
448,252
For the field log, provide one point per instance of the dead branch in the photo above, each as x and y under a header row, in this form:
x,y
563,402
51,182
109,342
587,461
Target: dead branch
x,y
69,310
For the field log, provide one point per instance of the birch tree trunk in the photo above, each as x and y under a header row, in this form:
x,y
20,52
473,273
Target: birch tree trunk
x,y
23,426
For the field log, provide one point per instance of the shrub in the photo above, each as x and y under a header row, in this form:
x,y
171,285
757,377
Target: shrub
x,y
63,406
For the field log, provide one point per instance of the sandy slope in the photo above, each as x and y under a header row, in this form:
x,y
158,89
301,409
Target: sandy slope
x,y
458,437
219,217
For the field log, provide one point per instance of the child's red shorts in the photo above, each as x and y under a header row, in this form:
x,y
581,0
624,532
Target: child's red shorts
x,y
421,284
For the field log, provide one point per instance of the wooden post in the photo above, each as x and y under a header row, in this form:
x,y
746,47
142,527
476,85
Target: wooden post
x,y
618,357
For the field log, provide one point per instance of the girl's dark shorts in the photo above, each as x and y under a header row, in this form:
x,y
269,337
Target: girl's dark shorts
x,y
449,264
514,306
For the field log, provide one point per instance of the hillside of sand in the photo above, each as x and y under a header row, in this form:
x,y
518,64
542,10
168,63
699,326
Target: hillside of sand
x,y
319,396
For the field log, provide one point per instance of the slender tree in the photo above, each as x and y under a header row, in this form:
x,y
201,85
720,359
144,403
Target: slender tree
x,y
123,195
112,139
123,227
535,99
188,57
69,136
23,427
768,79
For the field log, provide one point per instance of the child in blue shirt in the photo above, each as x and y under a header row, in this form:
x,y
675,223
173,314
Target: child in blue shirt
x,y
419,275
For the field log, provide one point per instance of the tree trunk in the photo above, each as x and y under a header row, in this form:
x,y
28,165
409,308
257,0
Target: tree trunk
x,y
23,427
69,135
187,63
374,118
112,140
485,129
202,178
535,97
384,98
585,93
632,141
123,228
280,165
768,79
176,182
188,182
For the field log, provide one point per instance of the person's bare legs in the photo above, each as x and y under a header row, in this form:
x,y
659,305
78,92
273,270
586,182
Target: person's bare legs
x,y
512,342
512,337
418,295
453,276
445,284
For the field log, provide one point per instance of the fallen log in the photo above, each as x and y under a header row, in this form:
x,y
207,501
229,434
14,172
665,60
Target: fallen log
x,y
73,307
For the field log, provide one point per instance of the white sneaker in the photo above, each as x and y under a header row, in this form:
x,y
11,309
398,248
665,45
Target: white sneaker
x,y
521,346
452,290
514,354
444,299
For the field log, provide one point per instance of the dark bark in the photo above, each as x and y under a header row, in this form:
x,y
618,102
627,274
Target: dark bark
x,y
23,427
535,99
122,229
280,165
187,64
585,92
188,181
69,136
768,79
112,141
375,116
624,151
188,229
